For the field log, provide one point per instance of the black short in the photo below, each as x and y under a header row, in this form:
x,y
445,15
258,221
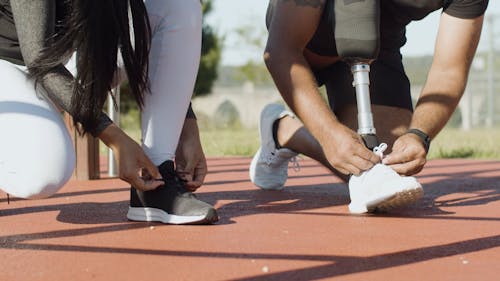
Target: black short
x,y
389,84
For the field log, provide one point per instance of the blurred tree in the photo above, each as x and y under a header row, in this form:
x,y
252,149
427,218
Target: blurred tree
x,y
210,55
417,68
253,39
255,72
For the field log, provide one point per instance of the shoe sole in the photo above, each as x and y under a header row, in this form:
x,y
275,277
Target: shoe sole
x,y
400,199
253,165
383,205
158,215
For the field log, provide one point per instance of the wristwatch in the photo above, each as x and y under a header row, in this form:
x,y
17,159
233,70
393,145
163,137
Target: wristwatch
x,y
426,140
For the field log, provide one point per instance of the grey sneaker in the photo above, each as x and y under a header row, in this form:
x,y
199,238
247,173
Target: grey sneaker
x,y
171,203
269,166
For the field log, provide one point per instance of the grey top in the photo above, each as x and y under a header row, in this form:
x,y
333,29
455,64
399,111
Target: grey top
x,y
24,27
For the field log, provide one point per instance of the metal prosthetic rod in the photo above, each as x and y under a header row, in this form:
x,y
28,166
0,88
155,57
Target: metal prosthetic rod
x,y
356,25
366,129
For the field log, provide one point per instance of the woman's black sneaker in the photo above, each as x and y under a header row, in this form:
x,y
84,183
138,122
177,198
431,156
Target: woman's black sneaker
x,y
170,203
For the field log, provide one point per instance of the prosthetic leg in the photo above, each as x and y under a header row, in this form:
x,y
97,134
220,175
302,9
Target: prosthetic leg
x,y
357,40
356,25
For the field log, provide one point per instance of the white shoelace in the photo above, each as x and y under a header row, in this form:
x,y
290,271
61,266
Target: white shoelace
x,y
295,163
379,150
294,160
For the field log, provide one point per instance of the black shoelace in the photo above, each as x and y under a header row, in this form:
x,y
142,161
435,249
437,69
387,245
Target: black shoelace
x,y
178,183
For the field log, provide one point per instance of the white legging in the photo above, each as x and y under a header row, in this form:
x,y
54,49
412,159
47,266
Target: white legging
x,y
36,152
174,60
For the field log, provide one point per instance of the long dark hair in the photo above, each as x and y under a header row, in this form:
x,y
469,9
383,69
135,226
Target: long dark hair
x,y
96,29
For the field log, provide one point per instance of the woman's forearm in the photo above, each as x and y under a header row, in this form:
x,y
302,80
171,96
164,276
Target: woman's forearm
x,y
35,24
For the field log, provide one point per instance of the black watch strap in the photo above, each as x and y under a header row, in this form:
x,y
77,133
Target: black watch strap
x,y
426,140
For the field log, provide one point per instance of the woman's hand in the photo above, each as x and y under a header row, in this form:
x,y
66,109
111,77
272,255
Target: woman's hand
x,y
190,161
131,159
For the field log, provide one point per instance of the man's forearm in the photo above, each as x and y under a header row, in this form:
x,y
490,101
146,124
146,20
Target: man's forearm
x,y
298,87
456,45
438,101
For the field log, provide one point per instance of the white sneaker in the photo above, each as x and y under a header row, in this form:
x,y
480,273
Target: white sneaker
x,y
382,189
269,166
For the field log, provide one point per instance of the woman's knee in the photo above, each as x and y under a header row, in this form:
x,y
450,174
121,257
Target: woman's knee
x,y
36,154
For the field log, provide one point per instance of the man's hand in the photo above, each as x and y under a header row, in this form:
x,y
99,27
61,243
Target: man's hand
x,y
131,159
347,153
190,161
407,156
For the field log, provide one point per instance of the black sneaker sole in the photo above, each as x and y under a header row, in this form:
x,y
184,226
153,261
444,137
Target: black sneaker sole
x,y
158,215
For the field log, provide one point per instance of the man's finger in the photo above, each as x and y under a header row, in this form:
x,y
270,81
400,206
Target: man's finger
x,y
395,158
361,163
401,169
408,168
351,169
367,154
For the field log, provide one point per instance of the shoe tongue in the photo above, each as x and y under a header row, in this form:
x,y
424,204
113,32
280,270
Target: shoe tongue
x,y
286,153
167,169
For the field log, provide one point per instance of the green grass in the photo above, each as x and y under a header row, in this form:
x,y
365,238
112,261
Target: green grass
x,y
215,142
227,142
477,144
450,143
130,123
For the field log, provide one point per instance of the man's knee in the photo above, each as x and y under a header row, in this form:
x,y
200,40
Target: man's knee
x,y
390,122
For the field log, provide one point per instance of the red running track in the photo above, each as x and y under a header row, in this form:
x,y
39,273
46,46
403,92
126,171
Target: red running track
x,y
302,233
